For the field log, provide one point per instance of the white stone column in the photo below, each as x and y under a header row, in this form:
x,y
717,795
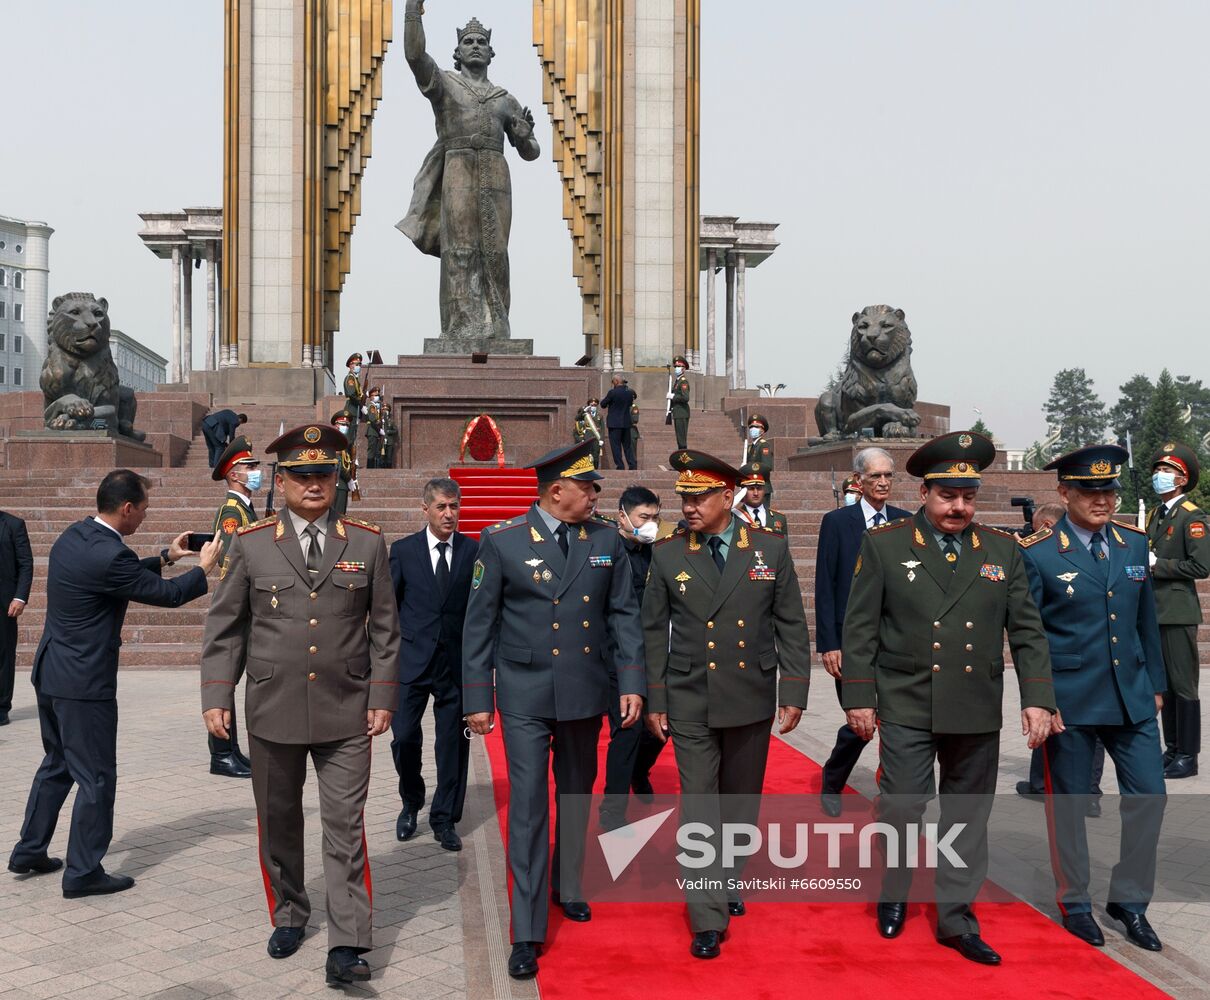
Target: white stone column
x,y
741,343
730,320
37,300
211,306
174,364
187,314
711,353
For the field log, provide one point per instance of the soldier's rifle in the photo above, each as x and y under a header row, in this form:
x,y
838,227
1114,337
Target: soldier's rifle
x,y
835,489
270,510
668,409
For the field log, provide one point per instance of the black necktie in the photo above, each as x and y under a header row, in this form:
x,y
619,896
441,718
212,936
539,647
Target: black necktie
x,y
757,518
879,517
313,552
950,548
1097,545
561,538
716,552
443,570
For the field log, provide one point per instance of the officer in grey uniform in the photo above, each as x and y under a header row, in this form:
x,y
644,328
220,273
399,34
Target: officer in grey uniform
x,y
547,590
305,606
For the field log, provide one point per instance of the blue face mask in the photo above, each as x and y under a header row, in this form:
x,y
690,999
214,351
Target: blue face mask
x,y
1163,482
753,433
253,480
851,498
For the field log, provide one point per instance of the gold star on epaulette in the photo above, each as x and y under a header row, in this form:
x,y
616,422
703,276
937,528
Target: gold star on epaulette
x,y
1036,537
264,522
997,531
366,525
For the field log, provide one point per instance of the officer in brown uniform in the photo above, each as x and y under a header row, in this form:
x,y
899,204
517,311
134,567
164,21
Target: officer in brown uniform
x,y
305,606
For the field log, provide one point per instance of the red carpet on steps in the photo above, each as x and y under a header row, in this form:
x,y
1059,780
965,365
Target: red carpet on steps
x,y
780,950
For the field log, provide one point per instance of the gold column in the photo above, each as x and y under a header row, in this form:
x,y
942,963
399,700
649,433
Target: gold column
x,y
231,161
693,207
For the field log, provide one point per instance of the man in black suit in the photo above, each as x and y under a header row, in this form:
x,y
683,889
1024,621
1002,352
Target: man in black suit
x,y
431,571
16,575
618,401
840,535
218,428
91,578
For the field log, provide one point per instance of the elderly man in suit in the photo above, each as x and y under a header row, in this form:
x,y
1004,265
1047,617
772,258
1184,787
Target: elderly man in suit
x,y
431,573
722,617
91,578
840,535
618,402
1089,577
305,608
16,576
218,428
933,598
551,595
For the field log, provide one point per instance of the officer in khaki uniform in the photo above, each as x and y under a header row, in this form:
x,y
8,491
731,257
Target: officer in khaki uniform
x,y
679,397
305,607
731,596
1179,534
932,598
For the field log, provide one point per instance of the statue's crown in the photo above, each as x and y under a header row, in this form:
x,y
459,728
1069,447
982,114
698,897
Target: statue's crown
x,y
473,25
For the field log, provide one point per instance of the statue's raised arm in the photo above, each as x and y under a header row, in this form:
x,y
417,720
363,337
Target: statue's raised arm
x,y
414,46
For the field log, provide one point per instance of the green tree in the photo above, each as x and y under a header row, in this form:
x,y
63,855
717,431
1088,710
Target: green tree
x,y
979,427
1130,410
1197,397
1075,410
1163,421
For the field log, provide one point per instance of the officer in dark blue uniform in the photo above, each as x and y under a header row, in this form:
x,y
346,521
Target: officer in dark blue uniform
x,y
1089,577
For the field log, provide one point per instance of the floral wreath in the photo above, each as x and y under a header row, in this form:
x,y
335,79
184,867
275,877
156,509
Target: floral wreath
x,y
482,436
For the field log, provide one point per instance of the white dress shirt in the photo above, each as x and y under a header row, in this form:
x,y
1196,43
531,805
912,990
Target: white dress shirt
x,y
868,513
434,554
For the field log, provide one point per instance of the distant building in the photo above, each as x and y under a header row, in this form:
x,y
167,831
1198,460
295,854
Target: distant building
x,y
24,263
138,365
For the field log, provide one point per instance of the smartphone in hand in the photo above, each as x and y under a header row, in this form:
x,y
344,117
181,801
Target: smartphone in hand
x,y
199,538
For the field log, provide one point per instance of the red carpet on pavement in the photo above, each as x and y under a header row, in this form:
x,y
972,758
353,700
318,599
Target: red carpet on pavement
x,y
641,950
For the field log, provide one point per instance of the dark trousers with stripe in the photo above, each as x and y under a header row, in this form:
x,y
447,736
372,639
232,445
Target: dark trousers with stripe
x,y
342,772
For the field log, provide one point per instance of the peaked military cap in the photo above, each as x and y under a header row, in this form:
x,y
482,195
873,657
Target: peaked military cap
x,y
573,462
354,357
1181,457
757,418
341,414
308,450
852,485
238,452
955,460
753,475
700,473
1095,467
680,360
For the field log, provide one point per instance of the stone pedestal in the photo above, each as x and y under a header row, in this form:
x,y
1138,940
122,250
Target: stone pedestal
x,y
79,450
499,345
276,385
839,455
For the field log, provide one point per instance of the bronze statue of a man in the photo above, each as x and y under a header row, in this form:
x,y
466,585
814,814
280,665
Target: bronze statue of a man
x,y
461,207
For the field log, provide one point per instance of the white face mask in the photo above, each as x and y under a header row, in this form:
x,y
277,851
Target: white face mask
x,y
850,499
679,370
344,429
753,433
646,533
592,411
1163,482
253,481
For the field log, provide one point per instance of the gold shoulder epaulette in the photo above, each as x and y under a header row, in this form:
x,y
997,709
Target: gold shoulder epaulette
x,y
901,522
679,533
997,531
604,519
1131,525
264,522
368,526
1189,505
1036,537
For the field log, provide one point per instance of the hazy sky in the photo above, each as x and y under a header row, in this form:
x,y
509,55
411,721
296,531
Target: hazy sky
x,y
1027,180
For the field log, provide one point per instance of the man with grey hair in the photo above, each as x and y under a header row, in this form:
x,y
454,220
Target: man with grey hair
x,y
840,535
431,572
618,402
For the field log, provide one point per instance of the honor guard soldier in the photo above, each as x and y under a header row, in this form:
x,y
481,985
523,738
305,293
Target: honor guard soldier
x,y
346,472
354,394
679,397
760,450
551,573
722,613
588,428
1089,578
754,507
1180,556
932,598
374,440
306,608
239,468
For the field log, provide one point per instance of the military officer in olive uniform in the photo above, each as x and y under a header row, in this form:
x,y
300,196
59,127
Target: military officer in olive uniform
x,y
346,472
932,598
1089,578
760,450
679,397
754,507
354,393
239,468
1178,532
727,594
550,593
306,607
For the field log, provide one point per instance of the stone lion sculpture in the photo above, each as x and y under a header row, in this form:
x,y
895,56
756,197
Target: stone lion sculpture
x,y
877,388
79,378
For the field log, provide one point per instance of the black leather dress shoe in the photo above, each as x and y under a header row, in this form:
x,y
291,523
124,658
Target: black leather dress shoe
x,y
100,884
890,918
1183,765
523,962
284,941
242,757
641,785
1085,927
447,838
706,944
228,765
736,907
972,947
1093,809
1027,791
1138,929
405,826
573,909
4,718
35,866
829,802
344,965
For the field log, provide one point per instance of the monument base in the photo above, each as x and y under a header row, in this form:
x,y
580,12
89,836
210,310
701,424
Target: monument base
x,y
48,449
274,385
838,456
494,345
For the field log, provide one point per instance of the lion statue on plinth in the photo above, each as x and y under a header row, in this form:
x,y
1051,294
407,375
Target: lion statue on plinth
x,y
877,388
79,378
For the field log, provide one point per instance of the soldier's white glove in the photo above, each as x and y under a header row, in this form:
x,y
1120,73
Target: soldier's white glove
x,y
1151,558
353,487
669,396
364,411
